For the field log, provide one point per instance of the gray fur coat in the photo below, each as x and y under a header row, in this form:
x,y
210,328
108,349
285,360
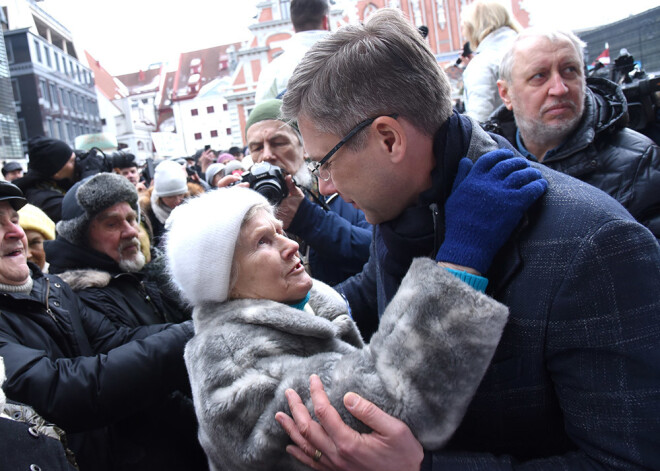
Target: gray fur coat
x,y
433,345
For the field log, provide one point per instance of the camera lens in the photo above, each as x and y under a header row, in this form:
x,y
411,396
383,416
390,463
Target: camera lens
x,y
271,190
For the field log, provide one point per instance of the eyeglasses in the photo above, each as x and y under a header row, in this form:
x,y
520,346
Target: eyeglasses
x,y
320,168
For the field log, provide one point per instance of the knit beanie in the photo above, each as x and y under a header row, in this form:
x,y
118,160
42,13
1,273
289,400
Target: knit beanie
x,y
89,197
224,158
212,171
267,110
201,240
32,218
170,179
47,156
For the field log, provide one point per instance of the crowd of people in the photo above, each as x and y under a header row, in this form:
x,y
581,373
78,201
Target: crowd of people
x,y
382,282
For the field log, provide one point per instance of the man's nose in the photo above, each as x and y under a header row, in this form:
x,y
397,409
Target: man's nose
x,y
15,231
267,154
557,85
131,231
327,188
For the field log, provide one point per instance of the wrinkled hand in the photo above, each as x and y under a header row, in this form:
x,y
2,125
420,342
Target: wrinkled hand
x,y
390,447
288,208
487,202
229,179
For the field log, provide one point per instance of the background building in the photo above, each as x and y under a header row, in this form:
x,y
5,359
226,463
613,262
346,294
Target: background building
x,y
53,89
10,138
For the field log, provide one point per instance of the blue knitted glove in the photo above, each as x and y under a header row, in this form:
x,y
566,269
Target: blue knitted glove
x,y
487,202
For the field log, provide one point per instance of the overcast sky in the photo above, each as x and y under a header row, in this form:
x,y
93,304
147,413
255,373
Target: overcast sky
x,y
129,35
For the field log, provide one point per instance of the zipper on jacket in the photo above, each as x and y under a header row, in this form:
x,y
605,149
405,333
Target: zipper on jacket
x,y
48,310
434,214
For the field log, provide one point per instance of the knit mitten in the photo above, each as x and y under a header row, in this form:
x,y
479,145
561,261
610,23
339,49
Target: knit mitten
x,y
487,202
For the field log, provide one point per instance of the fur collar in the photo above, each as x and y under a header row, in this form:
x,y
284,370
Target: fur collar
x,y
86,278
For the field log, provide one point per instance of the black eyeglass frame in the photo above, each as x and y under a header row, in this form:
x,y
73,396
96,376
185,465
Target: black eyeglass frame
x,y
315,167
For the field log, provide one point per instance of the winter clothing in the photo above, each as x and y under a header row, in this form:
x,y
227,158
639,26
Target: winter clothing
x,y
89,197
123,160
98,382
32,218
224,158
47,156
274,78
189,245
212,171
246,352
12,194
580,352
169,179
127,299
44,193
503,184
603,152
482,72
268,110
10,166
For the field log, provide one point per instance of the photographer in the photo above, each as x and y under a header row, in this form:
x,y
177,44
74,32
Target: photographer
x,y
53,168
334,235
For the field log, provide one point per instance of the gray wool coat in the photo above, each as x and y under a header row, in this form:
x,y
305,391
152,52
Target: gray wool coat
x,y
433,345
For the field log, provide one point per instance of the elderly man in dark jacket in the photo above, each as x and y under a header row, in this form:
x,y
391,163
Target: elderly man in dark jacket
x,y
97,381
575,126
97,252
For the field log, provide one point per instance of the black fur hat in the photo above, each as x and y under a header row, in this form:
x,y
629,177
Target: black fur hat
x,y
89,197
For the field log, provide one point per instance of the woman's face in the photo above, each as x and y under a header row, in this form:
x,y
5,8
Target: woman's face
x,y
35,252
173,201
269,266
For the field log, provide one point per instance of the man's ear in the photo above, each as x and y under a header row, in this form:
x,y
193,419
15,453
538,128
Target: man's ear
x,y
326,23
503,89
391,137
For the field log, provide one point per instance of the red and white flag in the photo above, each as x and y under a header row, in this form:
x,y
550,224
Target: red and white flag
x,y
604,57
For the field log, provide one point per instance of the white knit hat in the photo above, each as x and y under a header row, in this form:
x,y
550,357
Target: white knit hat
x,y
170,179
201,238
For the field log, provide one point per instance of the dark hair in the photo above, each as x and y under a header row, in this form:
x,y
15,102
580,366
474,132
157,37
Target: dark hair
x,y
308,14
235,151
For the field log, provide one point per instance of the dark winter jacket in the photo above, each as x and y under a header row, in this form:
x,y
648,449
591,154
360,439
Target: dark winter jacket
x,y
603,152
127,299
339,238
44,193
96,381
575,381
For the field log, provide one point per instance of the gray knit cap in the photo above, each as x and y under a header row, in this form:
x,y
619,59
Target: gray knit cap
x,y
89,197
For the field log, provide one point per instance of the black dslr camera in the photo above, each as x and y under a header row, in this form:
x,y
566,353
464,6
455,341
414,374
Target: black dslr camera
x,y
91,162
268,180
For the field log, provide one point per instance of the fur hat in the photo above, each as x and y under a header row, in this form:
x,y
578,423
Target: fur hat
x,y
32,218
47,156
123,159
170,179
89,197
201,240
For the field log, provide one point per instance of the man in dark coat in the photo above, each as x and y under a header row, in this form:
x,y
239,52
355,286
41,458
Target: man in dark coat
x,y
52,169
98,253
97,381
578,127
575,380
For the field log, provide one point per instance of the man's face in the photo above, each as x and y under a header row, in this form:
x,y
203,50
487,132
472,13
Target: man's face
x,y
131,174
363,178
68,170
277,143
547,90
13,248
13,175
114,232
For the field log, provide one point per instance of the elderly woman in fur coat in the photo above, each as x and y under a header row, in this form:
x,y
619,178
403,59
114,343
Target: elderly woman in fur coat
x,y
262,325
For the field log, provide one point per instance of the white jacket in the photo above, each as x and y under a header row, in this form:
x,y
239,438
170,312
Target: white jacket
x,y
480,76
275,76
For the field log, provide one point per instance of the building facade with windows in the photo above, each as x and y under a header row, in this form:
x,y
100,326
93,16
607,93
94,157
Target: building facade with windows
x,y
54,90
10,137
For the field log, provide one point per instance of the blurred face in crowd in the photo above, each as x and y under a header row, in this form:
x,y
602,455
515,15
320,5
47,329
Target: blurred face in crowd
x,y
68,170
35,248
547,90
114,232
267,263
173,201
131,174
13,248
14,174
277,143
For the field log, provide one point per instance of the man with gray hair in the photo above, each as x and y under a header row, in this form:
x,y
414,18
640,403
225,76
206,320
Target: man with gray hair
x,y
574,381
98,252
553,115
